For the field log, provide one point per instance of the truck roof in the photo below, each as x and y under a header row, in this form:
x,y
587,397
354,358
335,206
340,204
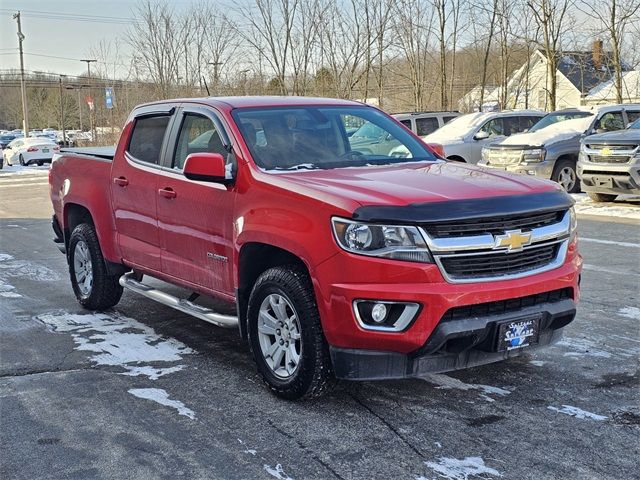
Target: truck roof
x,y
261,101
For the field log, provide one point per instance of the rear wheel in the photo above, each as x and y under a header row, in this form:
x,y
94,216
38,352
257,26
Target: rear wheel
x,y
94,288
285,334
565,174
602,197
40,163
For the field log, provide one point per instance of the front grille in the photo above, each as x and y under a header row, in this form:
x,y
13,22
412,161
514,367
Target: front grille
x,y
613,148
506,306
493,225
609,159
605,173
496,264
504,157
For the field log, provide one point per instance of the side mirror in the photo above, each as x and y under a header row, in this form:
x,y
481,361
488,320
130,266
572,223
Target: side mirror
x,y
207,167
481,135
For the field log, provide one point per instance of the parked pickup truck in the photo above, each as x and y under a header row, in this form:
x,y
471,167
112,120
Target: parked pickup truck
x,y
338,263
552,151
609,164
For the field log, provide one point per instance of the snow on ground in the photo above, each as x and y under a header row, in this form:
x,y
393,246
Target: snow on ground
x,y
577,412
446,382
11,268
9,171
160,396
277,472
630,312
625,206
455,469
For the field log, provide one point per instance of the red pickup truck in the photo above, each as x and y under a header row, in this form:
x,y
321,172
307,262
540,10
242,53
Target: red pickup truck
x,y
341,258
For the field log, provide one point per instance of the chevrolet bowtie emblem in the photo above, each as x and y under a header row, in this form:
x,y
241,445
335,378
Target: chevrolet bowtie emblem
x,y
512,240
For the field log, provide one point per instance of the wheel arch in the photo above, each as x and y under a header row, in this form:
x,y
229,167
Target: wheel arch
x,y
254,259
456,158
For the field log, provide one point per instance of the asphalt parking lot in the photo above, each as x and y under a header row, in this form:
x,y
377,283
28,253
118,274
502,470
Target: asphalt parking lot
x,y
146,392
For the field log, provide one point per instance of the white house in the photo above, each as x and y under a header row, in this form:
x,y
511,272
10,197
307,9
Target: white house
x,y
606,92
578,73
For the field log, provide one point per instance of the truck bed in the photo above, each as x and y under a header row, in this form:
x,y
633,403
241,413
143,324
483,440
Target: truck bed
x,y
104,153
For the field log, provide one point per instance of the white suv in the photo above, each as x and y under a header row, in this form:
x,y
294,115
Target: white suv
x,y
424,123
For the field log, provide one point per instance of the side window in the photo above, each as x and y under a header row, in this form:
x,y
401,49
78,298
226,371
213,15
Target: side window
x,y
527,122
425,126
493,127
511,125
446,120
197,134
406,123
147,137
610,121
633,115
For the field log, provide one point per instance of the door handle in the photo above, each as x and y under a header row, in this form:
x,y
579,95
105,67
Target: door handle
x,y
167,192
121,181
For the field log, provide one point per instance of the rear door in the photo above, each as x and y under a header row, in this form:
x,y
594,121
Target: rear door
x,y
196,218
134,187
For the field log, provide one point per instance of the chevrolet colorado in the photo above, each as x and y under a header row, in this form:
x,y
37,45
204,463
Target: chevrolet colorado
x,y
338,262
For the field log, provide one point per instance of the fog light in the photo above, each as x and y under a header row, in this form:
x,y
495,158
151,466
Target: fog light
x,y
385,315
379,312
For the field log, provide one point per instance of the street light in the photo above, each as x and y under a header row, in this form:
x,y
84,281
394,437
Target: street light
x,y
79,89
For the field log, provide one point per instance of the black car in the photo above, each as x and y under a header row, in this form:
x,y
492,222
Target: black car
x,y
6,140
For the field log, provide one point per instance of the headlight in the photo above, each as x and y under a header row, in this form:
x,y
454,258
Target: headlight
x,y
386,241
573,221
533,155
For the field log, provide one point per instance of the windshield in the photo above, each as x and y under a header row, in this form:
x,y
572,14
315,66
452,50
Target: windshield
x,y
293,138
635,125
556,117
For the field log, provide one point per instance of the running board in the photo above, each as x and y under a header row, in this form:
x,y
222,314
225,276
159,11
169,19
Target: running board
x,y
129,282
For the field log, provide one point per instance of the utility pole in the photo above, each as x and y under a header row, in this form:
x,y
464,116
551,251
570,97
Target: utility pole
x,y
64,133
94,130
23,86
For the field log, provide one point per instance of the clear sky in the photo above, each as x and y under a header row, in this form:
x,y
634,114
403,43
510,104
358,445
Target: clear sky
x,y
61,28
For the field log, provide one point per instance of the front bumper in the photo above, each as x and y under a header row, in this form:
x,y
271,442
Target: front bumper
x,y
609,178
539,169
345,278
472,343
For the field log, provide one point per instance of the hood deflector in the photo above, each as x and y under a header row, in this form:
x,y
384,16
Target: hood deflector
x,y
467,209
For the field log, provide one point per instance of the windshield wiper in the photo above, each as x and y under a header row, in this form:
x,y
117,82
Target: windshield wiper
x,y
302,166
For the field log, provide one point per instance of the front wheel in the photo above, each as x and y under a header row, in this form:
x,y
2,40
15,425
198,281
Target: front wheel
x,y
21,160
601,197
94,288
565,174
285,334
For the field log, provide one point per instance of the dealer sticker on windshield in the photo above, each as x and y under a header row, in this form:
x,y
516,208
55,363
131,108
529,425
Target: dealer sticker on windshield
x,y
518,334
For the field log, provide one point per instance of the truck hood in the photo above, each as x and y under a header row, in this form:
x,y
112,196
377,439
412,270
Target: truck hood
x,y
406,184
630,136
551,134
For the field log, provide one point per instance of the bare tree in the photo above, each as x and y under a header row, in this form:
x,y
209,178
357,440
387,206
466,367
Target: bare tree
x,y
413,31
271,24
550,16
157,39
614,18
492,14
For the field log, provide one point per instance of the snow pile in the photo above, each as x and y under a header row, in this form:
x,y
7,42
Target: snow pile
x,y
624,206
454,469
456,128
554,133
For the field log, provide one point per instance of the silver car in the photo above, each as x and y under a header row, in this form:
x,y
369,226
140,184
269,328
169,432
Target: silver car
x,y
462,138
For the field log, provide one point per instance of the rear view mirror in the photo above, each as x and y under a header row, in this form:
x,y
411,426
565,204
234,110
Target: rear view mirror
x,y
207,167
481,135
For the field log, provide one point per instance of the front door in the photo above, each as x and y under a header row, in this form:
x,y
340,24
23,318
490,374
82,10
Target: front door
x,y
134,191
196,219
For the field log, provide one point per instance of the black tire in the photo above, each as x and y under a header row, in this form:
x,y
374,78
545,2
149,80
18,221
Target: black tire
x,y
314,374
105,291
602,197
455,158
40,164
21,160
566,165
